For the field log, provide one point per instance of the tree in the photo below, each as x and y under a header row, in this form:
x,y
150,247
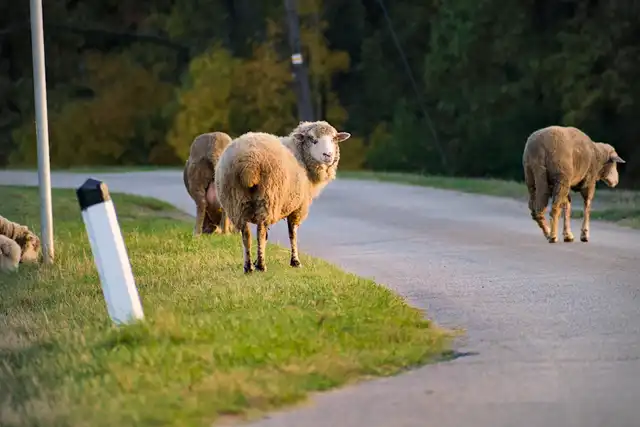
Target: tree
x,y
203,100
234,95
110,125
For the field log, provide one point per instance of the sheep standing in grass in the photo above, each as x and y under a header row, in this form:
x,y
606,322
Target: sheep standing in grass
x,y
17,244
558,159
198,176
262,178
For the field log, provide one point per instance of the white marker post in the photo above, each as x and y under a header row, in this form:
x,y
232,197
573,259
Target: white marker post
x,y
109,252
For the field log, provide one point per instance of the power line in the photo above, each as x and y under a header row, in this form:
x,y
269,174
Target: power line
x,y
305,109
443,157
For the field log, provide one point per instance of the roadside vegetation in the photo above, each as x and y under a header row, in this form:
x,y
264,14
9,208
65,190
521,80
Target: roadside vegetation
x,y
214,343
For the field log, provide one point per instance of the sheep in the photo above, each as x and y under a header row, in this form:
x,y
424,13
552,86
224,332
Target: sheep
x,y
25,240
262,178
558,159
198,177
9,254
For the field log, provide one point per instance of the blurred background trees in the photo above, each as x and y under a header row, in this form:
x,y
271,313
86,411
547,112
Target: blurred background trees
x,y
132,82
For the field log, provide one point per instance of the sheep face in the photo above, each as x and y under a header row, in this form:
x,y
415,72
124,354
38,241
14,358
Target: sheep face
x,y
609,171
320,141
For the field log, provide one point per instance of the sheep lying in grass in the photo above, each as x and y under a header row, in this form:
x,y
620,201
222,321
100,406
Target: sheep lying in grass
x,y
558,159
262,178
198,177
9,254
17,244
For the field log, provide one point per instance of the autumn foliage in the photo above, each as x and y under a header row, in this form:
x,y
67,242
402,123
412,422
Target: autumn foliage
x,y
133,82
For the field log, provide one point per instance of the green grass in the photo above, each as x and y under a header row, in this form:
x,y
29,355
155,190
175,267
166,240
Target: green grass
x,y
614,205
214,342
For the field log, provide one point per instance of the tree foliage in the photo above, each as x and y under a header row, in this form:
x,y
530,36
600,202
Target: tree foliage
x,y
117,122
136,81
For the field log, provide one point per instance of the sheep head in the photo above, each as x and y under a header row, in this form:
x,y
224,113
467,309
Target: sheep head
x,y
30,247
609,171
319,141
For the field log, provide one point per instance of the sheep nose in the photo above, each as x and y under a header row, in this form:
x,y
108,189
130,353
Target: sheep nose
x,y
327,156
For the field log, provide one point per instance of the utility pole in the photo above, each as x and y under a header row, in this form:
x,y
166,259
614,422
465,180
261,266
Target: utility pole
x,y
42,130
305,109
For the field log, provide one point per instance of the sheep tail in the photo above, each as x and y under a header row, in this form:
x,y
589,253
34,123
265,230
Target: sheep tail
x,y
249,177
253,206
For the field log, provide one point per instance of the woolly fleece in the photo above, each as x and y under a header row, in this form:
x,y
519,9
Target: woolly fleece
x,y
262,179
9,254
198,177
557,159
28,242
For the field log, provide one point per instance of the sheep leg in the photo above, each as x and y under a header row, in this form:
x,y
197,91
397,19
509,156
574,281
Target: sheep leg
x,y
225,223
560,193
261,230
587,197
201,211
246,245
214,211
539,218
538,207
566,231
292,225
208,225
538,189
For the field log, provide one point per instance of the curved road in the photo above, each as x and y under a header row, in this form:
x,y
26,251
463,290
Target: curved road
x,y
553,331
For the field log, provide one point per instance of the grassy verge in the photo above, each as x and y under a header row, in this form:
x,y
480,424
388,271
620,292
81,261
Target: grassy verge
x,y
615,205
214,342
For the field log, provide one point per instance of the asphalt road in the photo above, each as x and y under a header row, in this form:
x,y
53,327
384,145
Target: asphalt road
x,y
553,331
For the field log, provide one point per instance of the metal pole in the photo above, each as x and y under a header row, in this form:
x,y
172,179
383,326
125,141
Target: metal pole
x,y
42,130
305,109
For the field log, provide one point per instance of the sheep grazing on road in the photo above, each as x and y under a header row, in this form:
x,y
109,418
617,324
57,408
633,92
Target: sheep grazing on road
x,y
262,178
17,244
198,176
558,159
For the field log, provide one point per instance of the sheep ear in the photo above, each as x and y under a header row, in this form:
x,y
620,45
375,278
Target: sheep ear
x,y
342,136
617,159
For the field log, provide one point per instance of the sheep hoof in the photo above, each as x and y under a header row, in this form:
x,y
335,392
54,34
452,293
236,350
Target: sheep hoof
x,y
248,267
295,262
584,238
260,266
569,238
553,239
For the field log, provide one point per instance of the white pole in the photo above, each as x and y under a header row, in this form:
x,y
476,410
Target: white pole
x,y
42,130
109,253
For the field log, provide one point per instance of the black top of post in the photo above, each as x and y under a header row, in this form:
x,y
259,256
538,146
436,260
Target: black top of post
x,y
92,192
